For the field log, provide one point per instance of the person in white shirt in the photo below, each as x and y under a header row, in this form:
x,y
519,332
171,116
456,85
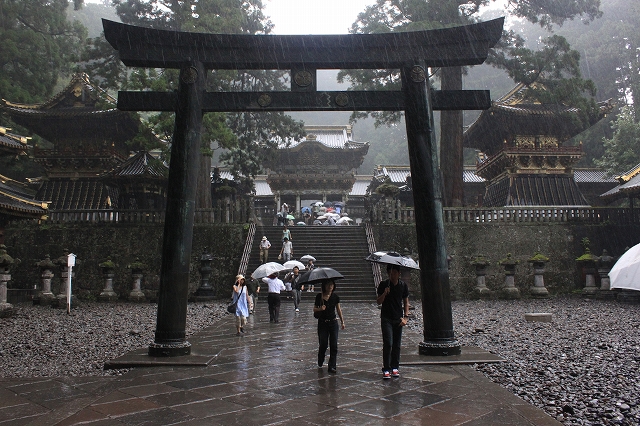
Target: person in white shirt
x,y
273,298
287,250
264,249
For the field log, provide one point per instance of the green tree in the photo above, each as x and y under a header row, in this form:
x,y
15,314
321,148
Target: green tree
x,y
246,137
38,45
622,151
411,15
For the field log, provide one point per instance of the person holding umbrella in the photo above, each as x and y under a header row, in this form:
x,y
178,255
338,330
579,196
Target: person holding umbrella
x,y
294,278
273,298
393,295
326,308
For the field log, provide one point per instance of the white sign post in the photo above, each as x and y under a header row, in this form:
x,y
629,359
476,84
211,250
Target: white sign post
x,y
71,262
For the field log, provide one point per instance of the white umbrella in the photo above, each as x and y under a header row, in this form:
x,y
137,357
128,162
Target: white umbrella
x,y
324,216
392,258
344,220
267,269
307,257
333,215
290,264
625,273
319,204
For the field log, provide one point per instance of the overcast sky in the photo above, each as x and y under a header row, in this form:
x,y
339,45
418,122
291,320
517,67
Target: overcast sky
x,y
313,16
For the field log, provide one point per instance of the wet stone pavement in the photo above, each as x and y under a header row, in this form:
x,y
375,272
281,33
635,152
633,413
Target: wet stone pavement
x,y
269,375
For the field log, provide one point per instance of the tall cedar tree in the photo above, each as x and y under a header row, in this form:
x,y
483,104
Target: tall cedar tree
x,y
412,15
246,137
54,45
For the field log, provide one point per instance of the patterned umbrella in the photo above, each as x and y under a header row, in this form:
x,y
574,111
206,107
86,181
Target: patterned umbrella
x,y
392,258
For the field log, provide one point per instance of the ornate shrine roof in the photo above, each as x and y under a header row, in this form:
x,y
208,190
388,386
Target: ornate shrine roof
x,y
629,185
324,150
534,190
140,166
512,115
74,115
12,144
17,200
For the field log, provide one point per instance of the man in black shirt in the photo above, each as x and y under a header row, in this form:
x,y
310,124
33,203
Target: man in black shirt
x,y
393,295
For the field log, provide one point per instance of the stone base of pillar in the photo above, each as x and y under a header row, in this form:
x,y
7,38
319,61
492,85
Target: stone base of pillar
x,y
589,291
628,296
510,293
168,350
439,348
108,296
44,299
539,292
605,294
481,293
60,301
7,310
137,296
203,294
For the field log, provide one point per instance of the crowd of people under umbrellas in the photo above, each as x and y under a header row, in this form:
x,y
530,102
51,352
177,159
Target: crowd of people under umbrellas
x,y
392,297
318,213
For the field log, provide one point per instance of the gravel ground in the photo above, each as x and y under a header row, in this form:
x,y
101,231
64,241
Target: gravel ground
x,y
581,369
79,344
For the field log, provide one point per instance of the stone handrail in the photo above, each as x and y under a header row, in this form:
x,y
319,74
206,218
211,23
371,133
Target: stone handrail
x,y
371,243
248,246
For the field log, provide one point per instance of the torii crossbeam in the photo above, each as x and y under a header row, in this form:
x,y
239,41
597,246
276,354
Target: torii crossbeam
x,y
410,52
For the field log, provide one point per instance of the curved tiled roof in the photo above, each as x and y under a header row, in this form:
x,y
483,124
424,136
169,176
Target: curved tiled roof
x,y
15,199
11,142
142,164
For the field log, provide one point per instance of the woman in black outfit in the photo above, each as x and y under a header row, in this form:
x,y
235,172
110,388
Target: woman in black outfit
x,y
326,306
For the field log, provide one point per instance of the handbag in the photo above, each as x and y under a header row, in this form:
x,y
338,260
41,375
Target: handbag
x,y
233,306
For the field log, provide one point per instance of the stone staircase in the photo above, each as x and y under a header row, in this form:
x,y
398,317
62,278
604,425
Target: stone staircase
x,y
342,248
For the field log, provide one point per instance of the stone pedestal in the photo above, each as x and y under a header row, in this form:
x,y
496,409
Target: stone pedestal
x,y
629,296
538,289
205,292
107,294
481,290
45,296
590,288
509,291
136,294
605,262
5,308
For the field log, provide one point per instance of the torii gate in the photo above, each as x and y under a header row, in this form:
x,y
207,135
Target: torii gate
x,y
410,52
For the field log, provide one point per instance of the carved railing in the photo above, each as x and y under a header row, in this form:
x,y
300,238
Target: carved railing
x,y
225,212
396,213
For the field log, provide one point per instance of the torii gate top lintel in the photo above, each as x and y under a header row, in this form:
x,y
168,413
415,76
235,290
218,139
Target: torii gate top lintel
x,y
145,47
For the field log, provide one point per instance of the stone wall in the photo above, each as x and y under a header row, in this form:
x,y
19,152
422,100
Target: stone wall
x,y
124,243
561,242
92,243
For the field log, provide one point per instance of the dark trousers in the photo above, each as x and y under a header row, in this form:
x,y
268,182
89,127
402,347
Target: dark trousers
x,y
328,336
391,340
296,298
274,306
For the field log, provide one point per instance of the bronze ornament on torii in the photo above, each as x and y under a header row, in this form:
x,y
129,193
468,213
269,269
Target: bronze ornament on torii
x,y
410,52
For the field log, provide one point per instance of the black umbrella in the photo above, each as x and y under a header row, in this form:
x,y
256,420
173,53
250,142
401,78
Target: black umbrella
x,y
320,274
392,258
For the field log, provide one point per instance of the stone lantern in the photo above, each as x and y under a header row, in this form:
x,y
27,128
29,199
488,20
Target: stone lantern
x,y
137,268
205,291
6,262
107,294
588,262
604,263
510,291
481,263
538,262
45,296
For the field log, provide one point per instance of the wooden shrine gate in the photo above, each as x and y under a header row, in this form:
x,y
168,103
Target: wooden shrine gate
x,y
410,52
